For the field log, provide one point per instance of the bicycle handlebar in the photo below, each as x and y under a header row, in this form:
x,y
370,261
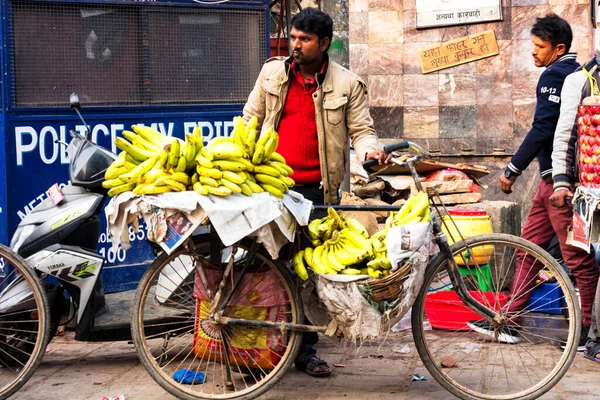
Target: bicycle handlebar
x,y
404,144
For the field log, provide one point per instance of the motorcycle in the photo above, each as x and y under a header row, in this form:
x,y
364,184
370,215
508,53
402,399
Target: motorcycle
x,y
59,240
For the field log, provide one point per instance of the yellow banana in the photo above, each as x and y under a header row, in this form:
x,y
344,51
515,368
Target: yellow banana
x,y
151,189
121,188
251,142
197,132
218,191
329,269
112,173
252,123
154,174
278,167
308,256
386,263
227,151
198,188
258,155
283,166
203,161
313,228
194,178
271,145
163,158
229,165
174,153
176,186
233,177
139,187
264,138
238,135
272,181
333,262
209,172
254,186
299,266
189,149
287,181
181,177
206,153
245,189
267,170
247,163
133,151
351,271
111,183
181,165
206,181
277,157
316,261
140,170
230,185
273,190
151,135
161,180
356,226
346,258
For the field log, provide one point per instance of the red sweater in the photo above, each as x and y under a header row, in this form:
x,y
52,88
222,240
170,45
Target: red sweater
x,y
298,140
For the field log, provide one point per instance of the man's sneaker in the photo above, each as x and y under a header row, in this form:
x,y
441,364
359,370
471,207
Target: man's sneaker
x,y
505,334
583,338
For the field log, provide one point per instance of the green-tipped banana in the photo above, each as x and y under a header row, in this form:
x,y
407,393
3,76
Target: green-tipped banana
x,y
133,151
258,155
267,170
251,142
273,190
174,153
255,187
111,183
308,254
356,226
313,228
121,188
176,186
299,266
271,181
271,145
275,156
246,191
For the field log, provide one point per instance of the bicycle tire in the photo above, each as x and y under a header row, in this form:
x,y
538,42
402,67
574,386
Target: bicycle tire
x,y
475,355
24,333
213,363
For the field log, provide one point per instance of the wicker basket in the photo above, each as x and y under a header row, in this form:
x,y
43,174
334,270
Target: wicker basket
x,y
388,288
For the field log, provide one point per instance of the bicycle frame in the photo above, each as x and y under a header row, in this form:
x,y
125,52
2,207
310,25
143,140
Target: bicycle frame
x,y
439,238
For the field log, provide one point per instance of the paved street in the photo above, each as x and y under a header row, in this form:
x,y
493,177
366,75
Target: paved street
x,y
75,370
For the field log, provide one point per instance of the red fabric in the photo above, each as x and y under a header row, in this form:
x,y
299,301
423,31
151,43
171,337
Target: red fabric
x,y
298,140
581,264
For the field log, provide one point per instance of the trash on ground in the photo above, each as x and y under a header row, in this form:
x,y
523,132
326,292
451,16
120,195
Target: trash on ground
x,y
417,377
339,365
449,362
189,377
401,349
48,349
121,397
470,347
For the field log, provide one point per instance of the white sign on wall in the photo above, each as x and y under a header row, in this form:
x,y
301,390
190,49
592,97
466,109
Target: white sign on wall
x,y
432,13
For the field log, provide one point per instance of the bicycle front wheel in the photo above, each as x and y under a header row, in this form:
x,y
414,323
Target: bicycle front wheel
x,y
521,357
176,333
24,322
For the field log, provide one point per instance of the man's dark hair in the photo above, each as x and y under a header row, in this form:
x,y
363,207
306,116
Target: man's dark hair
x,y
553,29
314,21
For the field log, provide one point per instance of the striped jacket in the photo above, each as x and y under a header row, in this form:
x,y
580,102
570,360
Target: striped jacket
x,y
564,154
539,140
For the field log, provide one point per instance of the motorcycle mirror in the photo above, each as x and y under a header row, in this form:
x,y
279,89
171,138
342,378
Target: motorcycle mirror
x,y
74,100
76,105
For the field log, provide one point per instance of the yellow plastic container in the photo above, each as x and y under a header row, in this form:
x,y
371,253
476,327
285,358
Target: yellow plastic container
x,y
470,222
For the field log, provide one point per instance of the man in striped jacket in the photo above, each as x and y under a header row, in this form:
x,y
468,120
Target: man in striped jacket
x,y
551,38
564,159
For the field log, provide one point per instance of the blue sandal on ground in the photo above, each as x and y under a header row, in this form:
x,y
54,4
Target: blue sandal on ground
x,y
311,364
592,351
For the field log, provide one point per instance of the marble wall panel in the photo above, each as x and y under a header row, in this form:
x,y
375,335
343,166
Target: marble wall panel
x,y
582,45
388,122
494,120
521,3
494,88
359,58
524,87
386,90
523,118
523,19
385,26
359,27
358,5
421,122
385,59
385,5
457,89
458,121
412,34
577,16
499,63
411,63
554,2
410,5
421,90
522,60
502,29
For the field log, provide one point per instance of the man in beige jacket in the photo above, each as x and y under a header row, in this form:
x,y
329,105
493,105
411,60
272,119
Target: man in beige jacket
x,y
315,105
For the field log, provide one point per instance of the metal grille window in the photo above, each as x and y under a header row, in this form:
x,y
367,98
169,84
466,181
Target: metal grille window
x,y
134,55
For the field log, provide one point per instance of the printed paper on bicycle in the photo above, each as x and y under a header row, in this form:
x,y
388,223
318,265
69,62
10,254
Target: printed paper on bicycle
x,y
584,227
402,241
299,206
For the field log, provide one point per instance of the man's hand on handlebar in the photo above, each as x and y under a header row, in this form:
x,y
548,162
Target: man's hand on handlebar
x,y
380,156
561,198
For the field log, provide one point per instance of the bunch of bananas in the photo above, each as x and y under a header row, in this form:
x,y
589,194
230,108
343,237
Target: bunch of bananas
x,y
416,209
340,245
152,163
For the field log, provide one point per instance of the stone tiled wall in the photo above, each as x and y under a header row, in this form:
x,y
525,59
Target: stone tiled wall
x,y
481,105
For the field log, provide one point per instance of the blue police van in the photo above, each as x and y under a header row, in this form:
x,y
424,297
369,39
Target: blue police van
x,y
166,64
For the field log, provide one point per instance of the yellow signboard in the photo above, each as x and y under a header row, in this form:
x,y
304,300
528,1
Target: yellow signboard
x,y
458,51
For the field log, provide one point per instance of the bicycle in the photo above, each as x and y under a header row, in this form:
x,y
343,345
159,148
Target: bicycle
x,y
25,331
242,318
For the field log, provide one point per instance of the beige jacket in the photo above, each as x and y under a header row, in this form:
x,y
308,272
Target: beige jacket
x,y
341,108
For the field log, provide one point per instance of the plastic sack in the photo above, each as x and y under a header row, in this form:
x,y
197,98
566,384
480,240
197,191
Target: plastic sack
x,y
403,240
262,297
450,174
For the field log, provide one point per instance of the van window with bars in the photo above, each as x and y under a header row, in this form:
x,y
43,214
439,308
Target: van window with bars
x,y
133,55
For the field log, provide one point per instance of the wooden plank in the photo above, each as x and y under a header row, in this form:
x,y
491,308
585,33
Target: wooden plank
x,y
458,51
460,198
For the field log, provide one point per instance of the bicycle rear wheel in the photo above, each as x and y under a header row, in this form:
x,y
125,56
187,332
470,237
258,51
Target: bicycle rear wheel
x,y
520,358
173,329
24,322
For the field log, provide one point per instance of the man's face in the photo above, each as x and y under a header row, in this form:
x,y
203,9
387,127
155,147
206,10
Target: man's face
x,y
306,47
544,53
